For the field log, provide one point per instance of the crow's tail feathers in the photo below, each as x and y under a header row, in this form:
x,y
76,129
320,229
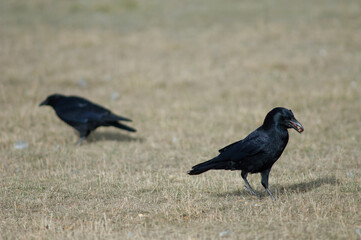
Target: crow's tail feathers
x,y
198,170
119,118
109,117
208,165
122,126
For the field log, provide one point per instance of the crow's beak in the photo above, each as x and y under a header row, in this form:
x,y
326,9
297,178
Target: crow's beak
x,y
43,103
296,125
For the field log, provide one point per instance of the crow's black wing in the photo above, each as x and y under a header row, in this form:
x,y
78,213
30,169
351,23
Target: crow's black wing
x,y
254,144
79,110
231,156
229,146
76,109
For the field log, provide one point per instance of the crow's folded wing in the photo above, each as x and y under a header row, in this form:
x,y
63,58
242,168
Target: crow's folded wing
x,y
254,144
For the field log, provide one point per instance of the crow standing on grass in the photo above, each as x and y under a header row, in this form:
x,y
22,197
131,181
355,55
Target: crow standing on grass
x,y
258,151
84,115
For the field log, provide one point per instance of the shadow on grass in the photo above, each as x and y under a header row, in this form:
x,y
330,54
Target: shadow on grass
x,y
290,188
306,186
112,136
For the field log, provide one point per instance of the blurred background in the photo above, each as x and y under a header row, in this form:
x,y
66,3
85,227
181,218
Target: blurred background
x,y
198,57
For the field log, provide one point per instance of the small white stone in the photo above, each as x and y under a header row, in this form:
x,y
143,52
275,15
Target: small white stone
x,y
224,233
353,84
114,96
21,145
323,52
108,77
82,82
350,174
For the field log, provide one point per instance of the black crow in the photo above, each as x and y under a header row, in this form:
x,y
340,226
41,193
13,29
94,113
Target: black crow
x,y
258,151
84,115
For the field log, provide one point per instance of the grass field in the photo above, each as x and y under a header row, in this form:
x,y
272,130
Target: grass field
x,y
194,76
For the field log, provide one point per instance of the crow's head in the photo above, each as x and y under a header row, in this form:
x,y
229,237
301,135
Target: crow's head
x,y
284,118
51,100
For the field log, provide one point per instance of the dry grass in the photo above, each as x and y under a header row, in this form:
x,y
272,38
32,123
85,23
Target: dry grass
x,y
195,76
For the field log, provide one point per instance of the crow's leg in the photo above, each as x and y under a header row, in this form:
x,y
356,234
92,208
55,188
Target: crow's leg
x,y
248,186
82,135
80,140
264,181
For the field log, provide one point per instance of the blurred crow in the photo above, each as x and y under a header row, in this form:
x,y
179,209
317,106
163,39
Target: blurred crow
x,y
258,151
84,115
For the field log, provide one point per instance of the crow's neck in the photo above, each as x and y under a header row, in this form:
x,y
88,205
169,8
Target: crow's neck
x,y
272,125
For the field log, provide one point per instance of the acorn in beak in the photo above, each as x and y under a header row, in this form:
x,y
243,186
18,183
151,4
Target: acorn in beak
x,y
296,125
